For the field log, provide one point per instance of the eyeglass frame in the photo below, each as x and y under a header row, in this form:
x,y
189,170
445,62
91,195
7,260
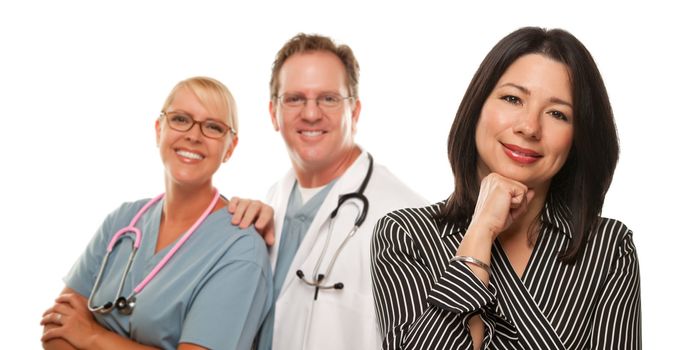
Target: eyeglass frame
x,y
316,100
200,124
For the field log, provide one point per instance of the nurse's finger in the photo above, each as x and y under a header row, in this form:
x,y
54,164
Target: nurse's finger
x,y
63,308
49,310
52,318
74,300
52,333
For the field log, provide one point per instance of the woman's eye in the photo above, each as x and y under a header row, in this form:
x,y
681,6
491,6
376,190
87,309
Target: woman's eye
x,y
215,127
558,115
511,99
180,119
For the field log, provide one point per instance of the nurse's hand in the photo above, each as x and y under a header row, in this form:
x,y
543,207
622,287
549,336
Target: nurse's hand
x,y
70,320
249,211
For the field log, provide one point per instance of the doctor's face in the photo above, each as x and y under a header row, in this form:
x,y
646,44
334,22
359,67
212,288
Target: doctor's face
x,y
190,157
525,129
314,112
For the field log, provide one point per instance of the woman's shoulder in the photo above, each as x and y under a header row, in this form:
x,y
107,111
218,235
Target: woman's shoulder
x,y
123,213
414,218
612,228
243,244
613,235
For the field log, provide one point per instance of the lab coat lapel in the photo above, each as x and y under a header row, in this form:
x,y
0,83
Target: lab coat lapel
x,y
306,257
278,198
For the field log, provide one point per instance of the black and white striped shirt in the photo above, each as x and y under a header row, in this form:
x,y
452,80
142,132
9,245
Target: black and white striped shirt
x,y
423,300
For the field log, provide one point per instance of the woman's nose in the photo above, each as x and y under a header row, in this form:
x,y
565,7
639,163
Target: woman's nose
x,y
529,125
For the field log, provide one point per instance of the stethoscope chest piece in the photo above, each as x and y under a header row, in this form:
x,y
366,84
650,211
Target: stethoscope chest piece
x,y
318,282
125,306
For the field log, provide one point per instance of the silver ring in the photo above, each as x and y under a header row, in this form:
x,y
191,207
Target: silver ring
x,y
58,318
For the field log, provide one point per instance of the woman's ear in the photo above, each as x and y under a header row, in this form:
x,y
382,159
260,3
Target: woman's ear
x,y
157,131
229,151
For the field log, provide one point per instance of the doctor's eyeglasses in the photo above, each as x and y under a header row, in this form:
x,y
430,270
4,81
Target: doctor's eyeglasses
x,y
327,101
213,129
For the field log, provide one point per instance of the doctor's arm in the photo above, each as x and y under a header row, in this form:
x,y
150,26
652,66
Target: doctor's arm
x,y
77,329
247,212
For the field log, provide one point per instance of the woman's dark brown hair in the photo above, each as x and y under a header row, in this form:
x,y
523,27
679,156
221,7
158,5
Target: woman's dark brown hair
x,y
583,181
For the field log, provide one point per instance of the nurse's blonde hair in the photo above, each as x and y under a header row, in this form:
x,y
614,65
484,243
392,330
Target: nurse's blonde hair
x,y
213,95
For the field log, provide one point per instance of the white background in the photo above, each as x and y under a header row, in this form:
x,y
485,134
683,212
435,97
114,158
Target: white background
x,y
82,83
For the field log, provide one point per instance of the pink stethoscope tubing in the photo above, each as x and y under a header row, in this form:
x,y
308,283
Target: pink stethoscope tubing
x,y
126,305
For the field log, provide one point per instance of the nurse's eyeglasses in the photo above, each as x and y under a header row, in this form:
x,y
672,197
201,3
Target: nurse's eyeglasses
x,y
181,121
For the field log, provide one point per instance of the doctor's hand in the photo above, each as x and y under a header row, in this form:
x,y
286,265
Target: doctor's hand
x,y
501,202
70,320
248,211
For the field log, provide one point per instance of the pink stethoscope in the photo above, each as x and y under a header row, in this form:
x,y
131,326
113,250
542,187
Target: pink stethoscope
x,y
125,305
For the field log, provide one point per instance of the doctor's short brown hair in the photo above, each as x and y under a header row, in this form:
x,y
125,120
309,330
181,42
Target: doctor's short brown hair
x,y
302,43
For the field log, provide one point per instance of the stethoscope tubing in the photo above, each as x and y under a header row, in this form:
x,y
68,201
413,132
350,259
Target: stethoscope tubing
x,y
319,279
178,245
107,307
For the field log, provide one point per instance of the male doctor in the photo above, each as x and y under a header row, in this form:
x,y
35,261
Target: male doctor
x,y
315,106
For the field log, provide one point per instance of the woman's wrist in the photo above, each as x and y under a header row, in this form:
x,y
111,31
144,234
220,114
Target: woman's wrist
x,y
481,232
98,338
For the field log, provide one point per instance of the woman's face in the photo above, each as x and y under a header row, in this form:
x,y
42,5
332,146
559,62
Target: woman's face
x,y
189,157
525,129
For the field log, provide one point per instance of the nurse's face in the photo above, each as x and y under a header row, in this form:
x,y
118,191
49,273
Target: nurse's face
x,y
525,129
190,158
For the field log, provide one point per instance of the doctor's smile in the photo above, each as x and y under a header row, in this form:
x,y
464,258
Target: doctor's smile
x,y
311,133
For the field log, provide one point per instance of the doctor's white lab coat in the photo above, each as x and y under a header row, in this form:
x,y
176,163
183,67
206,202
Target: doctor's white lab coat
x,y
338,319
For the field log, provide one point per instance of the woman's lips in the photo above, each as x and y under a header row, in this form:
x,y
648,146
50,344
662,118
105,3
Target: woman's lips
x,y
188,156
520,154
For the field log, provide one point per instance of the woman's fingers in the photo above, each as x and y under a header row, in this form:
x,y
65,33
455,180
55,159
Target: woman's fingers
x,y
52,318
52,333
522,205
500,202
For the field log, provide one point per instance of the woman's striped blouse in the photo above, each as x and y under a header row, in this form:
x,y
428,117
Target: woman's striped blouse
x,y
423,300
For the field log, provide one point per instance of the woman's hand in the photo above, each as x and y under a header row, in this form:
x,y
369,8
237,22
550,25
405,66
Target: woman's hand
x,y
248,211
501,201
71,320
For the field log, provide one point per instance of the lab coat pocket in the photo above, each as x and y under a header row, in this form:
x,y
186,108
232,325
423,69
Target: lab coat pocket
x,y
344,320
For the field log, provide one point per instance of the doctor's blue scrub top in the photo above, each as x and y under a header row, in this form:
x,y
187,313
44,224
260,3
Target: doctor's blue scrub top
x,y
214,292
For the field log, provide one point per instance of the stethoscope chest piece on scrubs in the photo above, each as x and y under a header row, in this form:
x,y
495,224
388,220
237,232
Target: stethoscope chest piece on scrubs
x,y
125,306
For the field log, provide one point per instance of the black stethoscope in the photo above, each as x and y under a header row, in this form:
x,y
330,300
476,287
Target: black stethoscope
x,y
319,279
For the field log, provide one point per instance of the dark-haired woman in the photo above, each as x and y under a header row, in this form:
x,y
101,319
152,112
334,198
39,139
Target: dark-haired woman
x,y
518,256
